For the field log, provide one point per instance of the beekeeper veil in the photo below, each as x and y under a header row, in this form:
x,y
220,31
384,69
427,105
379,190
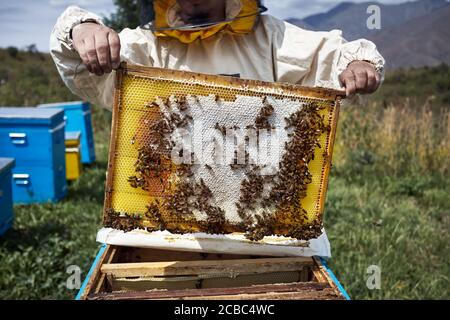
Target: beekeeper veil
x,y
167,19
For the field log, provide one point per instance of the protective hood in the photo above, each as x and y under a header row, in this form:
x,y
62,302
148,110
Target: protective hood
x,y
241,17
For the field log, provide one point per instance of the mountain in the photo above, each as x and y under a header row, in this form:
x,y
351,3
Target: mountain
x,y
323,18
300,23
422,41
412,33
351,18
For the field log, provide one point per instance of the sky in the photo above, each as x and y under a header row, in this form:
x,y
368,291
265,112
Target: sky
x,y
25,22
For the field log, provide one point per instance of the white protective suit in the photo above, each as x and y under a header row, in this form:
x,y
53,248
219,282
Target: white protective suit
x,y
275,51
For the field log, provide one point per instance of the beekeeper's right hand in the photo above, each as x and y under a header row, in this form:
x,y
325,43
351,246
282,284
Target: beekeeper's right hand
x,y
98,47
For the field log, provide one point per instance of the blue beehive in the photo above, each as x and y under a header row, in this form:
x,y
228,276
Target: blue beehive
x,y
78,118
35,138
6,204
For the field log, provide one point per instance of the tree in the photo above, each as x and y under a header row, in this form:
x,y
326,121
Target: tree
x,y
13,52
32,48
130,14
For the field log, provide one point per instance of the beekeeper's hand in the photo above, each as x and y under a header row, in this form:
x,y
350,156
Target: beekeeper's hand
x,y
98,47
360,77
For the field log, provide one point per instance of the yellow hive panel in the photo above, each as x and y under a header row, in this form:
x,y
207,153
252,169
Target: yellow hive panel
x,y
73,163
282,135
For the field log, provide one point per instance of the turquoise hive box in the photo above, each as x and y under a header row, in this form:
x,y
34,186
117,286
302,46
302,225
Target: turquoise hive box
x,y
35,138
77,115
6,204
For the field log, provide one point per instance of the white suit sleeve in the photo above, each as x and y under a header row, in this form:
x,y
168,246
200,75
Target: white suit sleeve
x,y
314,58
362,50
99,90
335,54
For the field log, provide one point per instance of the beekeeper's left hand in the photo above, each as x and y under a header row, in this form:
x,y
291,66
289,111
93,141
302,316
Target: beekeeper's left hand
x,y
360,77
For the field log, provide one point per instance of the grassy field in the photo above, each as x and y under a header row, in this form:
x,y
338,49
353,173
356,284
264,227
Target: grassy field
x,y
388,202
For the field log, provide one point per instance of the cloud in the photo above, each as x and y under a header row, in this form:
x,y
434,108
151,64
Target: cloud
x,y
31,21
8,11
101,5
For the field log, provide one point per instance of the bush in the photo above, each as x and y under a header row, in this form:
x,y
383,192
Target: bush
x,y
397,141
13,52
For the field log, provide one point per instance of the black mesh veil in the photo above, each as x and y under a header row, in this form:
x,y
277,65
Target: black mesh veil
x,y
147,13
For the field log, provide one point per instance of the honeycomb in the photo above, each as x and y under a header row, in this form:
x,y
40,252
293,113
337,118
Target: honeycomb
x,y
201,153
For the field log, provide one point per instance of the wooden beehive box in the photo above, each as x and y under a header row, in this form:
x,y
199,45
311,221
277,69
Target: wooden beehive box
x,y
124,273
143,190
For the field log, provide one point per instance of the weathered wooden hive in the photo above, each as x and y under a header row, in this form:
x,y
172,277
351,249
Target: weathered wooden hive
x,y
213,184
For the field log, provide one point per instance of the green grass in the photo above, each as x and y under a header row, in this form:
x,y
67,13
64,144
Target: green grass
x,y
388,202
30,78
46,239
405,235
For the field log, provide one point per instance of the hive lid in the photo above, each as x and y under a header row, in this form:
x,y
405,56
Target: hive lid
x,y
72,135
145,186
27,115
6,164
70,105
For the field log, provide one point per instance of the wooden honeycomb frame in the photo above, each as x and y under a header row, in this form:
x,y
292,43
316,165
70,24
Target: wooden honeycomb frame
x,y
228,87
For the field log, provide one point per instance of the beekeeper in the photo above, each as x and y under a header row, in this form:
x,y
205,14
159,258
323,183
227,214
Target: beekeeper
x,y
228,37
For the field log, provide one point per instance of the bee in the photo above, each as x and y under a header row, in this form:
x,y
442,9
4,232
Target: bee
x,y
262,120
195,98
183,105
133,182
182,123
173,99
152,104
235,166
174,117
267,110
159,102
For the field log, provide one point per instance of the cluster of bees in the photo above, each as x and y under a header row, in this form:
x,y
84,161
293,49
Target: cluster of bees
x,y
148,164
277,196
289,185
154,214
189,195
262,120
125,222
294,175
193,196
252,188
155,145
